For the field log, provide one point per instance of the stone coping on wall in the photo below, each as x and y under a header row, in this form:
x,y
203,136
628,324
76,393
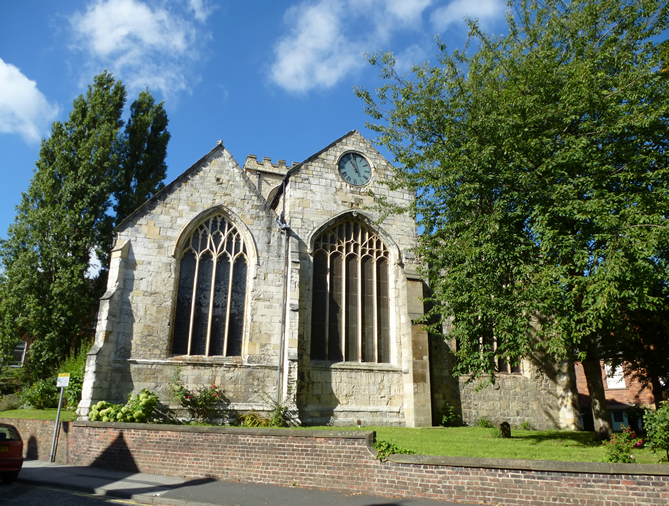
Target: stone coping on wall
x,y
304,433
555,466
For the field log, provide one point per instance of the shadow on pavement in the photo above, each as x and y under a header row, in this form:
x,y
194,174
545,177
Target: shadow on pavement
x,y
104,481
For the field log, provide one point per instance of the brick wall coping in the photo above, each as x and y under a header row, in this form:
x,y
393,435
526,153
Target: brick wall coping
x,y
555,466
306,433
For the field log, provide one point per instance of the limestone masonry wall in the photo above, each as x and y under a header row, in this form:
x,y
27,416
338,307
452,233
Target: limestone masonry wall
x,y
343,461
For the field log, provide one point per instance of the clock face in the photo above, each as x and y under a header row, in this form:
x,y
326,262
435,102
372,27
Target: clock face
x,y
355,169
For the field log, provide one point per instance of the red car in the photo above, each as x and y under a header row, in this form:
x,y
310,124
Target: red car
x,y
11,453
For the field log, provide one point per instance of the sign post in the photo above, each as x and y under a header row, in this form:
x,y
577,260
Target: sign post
x,y
62,382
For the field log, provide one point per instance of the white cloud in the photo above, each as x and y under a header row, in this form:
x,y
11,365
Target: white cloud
x,y
316,53
407,11
328,38
145,43
486,11
201,9
24,110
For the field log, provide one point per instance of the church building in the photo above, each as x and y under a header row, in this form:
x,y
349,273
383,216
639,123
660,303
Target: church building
x,y
278,281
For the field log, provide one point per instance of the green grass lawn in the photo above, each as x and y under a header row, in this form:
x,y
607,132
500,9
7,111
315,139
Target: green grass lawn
x,y
39,414
478,442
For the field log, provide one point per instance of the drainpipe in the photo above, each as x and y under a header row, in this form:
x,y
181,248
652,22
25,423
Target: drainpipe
x,y
286,229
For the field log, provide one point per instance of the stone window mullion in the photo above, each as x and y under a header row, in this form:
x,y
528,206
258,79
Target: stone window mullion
x,y
227,307
375,292
211,303
192,307
342,305
328,282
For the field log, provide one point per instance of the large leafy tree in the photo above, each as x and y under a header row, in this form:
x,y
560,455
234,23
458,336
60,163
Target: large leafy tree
x,y
63,222
539,160
144,149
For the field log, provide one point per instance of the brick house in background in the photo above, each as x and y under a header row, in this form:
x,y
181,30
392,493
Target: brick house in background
x,y
621,393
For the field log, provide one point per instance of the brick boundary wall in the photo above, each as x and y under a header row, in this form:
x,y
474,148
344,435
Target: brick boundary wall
x,y
343,461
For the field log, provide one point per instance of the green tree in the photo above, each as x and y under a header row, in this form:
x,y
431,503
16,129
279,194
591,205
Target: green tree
x,y
63,221
539,160
643,352
144,149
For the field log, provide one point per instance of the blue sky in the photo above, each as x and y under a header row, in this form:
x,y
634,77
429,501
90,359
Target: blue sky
x,y
270,78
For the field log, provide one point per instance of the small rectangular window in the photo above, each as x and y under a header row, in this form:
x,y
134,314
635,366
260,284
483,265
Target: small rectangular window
x,y
19,354
614,377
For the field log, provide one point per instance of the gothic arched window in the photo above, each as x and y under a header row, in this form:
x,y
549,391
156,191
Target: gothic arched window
x,y
350,306
209,317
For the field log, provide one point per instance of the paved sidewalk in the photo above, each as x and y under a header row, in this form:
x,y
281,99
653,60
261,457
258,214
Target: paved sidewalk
x,y
166,490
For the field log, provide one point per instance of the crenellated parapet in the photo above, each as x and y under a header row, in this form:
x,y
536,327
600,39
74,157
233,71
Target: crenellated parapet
x,y
265,165
265,174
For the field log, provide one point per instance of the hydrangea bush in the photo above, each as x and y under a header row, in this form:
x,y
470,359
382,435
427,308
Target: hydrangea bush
x,y
140,409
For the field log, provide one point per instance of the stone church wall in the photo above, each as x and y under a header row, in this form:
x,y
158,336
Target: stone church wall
x,y
134,345
544,395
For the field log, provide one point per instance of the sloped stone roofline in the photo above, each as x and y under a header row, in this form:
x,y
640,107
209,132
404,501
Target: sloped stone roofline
x,y
197,165
277,197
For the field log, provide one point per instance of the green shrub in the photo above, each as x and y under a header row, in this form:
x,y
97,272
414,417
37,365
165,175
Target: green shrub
x,y
484,423
279,417
9,401
140,409
525,425
11,379
252,419
199,403
656,424
386,448
75,364
41,394
619,447
451,417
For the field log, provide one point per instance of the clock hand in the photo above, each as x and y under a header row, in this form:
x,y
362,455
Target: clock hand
x,y
355,165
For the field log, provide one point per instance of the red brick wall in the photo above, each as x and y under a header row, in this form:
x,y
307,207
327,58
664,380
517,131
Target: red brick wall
x,y
37,438
343,461
630,395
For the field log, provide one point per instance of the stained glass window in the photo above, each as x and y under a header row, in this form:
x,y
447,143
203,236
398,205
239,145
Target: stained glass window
x,y
351,303
209,317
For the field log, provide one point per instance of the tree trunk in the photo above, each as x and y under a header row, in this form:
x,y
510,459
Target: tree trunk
x,y
657,391
600,413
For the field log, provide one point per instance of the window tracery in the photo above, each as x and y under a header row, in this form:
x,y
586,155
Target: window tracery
x,y
211,296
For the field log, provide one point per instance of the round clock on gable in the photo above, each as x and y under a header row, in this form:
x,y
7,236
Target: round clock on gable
x,y
355,169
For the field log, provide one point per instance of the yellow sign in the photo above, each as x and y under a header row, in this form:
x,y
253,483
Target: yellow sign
x,y
63,379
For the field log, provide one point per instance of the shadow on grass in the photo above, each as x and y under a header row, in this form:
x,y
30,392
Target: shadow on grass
x,y
584,439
